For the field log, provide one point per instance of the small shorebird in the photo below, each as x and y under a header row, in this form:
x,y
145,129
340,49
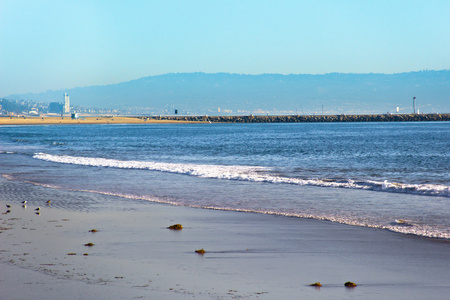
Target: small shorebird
x,y
24,202
8,206
38,209
48,202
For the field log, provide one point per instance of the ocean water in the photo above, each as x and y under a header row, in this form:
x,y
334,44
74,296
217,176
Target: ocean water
x,y
393,176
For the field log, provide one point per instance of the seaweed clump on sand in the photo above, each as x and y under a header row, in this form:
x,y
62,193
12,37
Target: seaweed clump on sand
x,y
176,227
350,284
200,251
318,284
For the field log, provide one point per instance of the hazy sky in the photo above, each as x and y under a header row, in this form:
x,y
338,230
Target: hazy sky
x,y
65,44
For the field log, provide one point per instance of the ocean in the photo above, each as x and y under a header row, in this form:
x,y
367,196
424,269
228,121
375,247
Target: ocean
x,y
392,176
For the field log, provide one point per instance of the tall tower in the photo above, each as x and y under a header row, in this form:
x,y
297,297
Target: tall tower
x,y
66,104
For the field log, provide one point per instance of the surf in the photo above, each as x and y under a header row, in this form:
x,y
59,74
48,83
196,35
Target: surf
x,y
248,173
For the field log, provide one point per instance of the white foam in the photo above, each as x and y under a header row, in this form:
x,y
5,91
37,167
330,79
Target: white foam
x,y
396,226
248,173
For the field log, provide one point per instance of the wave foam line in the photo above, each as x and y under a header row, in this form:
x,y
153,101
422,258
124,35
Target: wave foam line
x,y
248,173
414,229
424,230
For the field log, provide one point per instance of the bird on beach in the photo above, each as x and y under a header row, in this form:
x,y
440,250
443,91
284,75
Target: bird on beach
x,y
8,206
24,202
48,202
38,209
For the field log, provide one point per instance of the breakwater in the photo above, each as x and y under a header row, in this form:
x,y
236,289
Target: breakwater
x,y
307,119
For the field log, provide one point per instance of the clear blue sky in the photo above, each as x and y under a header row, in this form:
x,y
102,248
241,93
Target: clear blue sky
x,y
65,44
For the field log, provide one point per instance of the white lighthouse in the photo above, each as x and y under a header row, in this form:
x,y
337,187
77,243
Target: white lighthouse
x,y
66,104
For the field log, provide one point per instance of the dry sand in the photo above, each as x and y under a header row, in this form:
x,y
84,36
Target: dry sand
x,y
248,256
53,120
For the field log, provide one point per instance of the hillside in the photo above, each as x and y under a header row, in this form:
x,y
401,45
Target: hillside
x,y
203,93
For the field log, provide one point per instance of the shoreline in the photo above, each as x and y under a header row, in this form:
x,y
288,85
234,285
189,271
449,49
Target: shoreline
x,y
53,120
57,120
248,255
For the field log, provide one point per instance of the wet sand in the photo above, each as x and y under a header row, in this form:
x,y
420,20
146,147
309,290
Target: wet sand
x,y
248,256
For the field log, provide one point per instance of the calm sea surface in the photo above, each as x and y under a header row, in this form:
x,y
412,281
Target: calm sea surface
x,y
385,175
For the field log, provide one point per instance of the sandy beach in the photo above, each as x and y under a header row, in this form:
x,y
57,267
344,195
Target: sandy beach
x,y
248,256
67,120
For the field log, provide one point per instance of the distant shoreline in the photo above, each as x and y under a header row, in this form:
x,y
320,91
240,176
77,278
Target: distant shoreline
x,y
54,120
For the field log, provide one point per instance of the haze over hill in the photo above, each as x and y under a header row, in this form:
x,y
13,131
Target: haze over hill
x,y
225,93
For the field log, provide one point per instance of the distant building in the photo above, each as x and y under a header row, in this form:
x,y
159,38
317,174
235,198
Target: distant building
x,y
66,104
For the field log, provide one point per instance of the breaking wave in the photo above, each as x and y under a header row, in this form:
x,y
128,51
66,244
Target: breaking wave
x,y
249,173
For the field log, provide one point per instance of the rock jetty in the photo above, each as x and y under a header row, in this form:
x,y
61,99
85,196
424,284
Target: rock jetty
x,y
307,119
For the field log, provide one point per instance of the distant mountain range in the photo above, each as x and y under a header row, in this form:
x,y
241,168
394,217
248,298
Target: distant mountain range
x,y
224,93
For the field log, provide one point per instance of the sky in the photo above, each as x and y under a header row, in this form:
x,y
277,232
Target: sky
x,y
50,45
